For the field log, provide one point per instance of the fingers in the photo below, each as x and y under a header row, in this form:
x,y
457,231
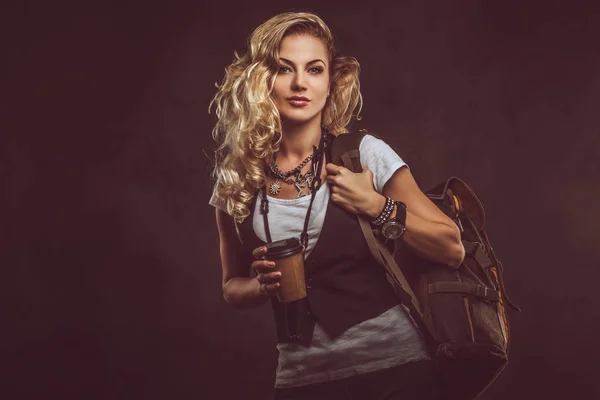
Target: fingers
x,y
261,266
334,173
335,198
333,180
333,169
269,283
270,290
260,252
268,278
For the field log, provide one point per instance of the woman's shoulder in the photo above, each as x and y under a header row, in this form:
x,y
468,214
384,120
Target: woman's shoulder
x,y
357,139
372,148
373,143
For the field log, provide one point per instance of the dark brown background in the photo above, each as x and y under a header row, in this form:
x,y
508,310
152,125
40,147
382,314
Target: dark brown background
x,y
110,270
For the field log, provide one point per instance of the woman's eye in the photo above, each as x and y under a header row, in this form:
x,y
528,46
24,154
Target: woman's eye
x,y
314,70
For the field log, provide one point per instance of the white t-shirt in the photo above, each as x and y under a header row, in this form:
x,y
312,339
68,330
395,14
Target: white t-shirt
x,y
387,340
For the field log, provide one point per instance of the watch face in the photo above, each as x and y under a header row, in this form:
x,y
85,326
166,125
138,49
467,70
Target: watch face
x,y
393,230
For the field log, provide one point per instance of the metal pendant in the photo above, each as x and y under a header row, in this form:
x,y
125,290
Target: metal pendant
x,y
275,188
303,181
300,187
309,179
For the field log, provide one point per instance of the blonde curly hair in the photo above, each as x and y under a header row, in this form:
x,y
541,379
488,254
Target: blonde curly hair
x,y
248,127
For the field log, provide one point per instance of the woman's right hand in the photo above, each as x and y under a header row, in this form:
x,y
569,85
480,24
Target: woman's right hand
x,y
267,277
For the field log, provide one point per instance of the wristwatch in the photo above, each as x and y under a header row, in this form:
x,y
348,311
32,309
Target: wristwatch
x,y
395,227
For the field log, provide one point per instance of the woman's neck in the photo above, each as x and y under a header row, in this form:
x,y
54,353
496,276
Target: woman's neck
x,y
297,141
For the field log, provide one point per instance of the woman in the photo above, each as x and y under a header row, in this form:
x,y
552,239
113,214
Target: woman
x,y
278,107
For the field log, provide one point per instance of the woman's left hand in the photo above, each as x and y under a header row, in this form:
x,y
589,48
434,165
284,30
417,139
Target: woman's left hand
x,y
354,191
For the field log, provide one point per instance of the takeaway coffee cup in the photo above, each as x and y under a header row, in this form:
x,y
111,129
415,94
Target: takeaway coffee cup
x,y
288,258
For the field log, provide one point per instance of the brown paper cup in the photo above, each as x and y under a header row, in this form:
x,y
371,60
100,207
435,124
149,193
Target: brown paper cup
x,y
287,254
293,286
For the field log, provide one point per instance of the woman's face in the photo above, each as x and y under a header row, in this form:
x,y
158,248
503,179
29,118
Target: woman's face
x,y
302,83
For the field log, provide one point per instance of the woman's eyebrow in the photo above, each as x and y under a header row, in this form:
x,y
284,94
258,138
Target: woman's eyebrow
x,y
308,63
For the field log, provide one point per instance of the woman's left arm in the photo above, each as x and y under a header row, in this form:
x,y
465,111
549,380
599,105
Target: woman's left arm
x,y
429,232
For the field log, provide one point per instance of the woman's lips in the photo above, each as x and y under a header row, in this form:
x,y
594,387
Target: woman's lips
x,y
298,102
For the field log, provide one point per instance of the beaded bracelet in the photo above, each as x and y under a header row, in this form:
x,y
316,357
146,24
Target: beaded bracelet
x,y
385,213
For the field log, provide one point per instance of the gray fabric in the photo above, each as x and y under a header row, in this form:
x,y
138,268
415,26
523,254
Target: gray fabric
x,y
387,340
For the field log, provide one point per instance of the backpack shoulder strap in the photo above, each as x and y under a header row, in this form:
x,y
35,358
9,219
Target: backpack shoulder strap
x,y
345,148
345,152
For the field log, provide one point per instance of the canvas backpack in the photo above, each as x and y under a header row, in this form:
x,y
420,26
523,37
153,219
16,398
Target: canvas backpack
x,y
460,312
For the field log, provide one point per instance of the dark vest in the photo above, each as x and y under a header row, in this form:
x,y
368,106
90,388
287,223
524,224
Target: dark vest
x,y
345,284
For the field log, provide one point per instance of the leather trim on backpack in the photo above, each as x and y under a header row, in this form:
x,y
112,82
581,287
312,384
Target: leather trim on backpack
x,y
471,204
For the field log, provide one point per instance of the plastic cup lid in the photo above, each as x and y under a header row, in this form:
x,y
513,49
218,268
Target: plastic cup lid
x,y
283,248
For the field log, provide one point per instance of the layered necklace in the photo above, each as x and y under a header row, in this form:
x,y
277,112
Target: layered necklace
x,y
301,180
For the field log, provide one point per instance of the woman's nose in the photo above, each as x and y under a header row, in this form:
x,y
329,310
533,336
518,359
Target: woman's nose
x,y
298,82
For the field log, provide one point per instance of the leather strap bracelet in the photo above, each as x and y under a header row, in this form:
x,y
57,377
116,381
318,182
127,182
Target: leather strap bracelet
x,y
385,213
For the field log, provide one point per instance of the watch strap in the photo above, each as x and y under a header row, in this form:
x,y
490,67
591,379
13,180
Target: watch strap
x,y
400,212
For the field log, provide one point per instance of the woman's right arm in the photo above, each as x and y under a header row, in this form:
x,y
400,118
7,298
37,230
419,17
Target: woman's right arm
x,y
239,289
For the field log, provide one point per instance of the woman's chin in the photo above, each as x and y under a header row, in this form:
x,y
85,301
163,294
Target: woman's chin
x,y
297,119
